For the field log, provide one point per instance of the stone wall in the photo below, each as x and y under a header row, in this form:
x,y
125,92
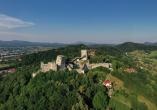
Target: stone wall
x,y
49,66
106,65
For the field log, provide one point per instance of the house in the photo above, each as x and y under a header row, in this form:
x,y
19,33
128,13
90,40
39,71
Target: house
x,y
130,70
107,83
11,70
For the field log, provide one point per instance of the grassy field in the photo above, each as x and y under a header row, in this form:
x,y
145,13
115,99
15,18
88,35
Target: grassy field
x,y
125,97
3,65
153,54
118,104
150,105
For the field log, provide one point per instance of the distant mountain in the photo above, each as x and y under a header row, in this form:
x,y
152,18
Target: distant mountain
x,y
150,43
18,43
130,46
127,46
92,44
85,43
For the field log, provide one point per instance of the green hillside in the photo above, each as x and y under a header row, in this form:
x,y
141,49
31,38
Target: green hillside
x,y
134,80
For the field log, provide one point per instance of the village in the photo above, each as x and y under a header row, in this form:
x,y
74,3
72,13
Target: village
x,y
14,53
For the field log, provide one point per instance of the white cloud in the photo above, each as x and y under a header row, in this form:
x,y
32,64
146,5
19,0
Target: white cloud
x,y
8,22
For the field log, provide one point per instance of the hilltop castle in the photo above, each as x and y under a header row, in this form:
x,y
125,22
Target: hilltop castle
x,y
80,64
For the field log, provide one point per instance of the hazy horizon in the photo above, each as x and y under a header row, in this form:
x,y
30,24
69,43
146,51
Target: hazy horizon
x,y
72,21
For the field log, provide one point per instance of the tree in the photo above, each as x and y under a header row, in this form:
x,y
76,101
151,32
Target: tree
x,y
100,100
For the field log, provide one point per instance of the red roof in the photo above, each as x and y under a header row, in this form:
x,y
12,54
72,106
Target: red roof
x,y
107,83
12,70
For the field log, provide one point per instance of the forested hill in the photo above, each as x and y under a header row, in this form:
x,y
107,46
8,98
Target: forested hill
x,y
17,43
150,43
64,90
130,46
72,51
127,46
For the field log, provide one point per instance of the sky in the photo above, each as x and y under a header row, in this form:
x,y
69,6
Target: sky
x,y
69,21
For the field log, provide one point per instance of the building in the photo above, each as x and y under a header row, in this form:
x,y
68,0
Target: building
x,y
130,70
11,70
7,70
107,83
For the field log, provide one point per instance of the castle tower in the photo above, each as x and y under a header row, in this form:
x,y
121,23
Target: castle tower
x,y
60,61
84,54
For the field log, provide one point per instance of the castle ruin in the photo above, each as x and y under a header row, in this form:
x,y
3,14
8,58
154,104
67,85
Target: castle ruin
x,y
80,64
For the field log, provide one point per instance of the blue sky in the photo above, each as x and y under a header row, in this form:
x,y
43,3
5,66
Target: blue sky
x,y
67,21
